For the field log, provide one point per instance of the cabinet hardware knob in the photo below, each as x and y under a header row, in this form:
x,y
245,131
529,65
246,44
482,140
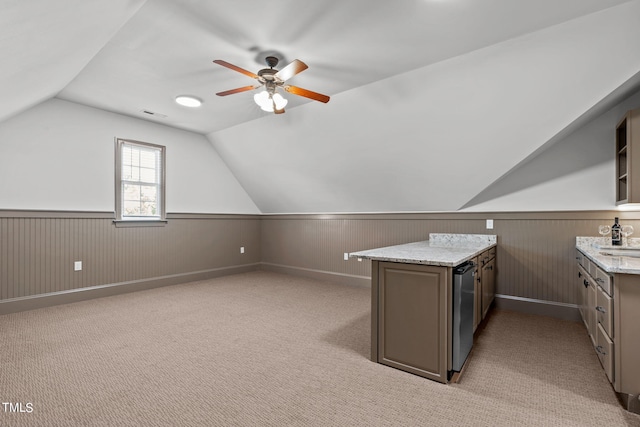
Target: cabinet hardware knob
x,y
586,283
579,274
600,309
600,350
599,280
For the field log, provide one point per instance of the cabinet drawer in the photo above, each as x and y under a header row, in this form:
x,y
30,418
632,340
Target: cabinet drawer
x,y
583,285
590,311
593,268
586,264
604,348
491,252
484,258
604,311
580,258
603,280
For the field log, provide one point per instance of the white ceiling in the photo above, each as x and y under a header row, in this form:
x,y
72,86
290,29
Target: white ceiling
x,y
126,56
437,105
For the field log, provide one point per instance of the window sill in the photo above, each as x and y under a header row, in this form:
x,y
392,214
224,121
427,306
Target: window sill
x,y
128,223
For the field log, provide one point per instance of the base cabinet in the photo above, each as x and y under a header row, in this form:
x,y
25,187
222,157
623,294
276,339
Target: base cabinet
x,y
626,329
414,318
485,289
488,285
610,309
477,292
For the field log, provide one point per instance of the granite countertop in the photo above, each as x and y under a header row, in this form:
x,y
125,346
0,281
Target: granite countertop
x,y
594,247
448,250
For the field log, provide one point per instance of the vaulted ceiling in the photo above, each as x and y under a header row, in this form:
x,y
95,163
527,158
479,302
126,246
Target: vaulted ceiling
x,y
419,88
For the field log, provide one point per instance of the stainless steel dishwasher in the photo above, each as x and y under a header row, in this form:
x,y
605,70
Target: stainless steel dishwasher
x,y
463,302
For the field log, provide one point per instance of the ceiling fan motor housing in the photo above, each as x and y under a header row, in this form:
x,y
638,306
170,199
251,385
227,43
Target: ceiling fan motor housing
x,y
272,61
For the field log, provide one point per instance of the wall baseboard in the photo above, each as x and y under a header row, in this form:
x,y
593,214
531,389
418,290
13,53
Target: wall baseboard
x,y
346,279
503,302
15,305
538,307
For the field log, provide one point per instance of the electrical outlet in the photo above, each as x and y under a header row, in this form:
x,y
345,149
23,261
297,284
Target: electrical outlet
x,y
77,266
489,224
346,256
241,249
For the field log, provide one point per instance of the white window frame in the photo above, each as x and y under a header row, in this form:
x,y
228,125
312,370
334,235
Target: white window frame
x,y
160,218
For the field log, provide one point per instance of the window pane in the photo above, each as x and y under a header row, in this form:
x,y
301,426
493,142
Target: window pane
x,y
131,192
148,193
147,159
126,173
126,155
149,209
131,208
147,175
135,157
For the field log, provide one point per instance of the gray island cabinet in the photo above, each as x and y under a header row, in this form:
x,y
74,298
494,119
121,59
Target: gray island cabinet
x,y
411,300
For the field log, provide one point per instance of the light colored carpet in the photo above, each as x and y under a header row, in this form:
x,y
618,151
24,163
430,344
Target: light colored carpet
x,y
266,349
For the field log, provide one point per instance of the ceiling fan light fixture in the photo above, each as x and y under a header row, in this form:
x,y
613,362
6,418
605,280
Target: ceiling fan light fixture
x,y
188,101
280,101
266,101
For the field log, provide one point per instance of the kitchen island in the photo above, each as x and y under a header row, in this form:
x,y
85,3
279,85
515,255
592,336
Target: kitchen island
x,y
608,283
412,299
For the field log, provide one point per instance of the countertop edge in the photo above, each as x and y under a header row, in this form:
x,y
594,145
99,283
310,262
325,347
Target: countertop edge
x,y
587,250
475,251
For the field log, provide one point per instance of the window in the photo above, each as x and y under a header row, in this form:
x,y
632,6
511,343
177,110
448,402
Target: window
x,y
139,181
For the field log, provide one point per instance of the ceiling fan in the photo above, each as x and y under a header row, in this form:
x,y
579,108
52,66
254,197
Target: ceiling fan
x,y
271,79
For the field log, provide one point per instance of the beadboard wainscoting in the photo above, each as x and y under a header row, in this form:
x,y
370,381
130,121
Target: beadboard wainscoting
x,y
38,251
536,265
535,255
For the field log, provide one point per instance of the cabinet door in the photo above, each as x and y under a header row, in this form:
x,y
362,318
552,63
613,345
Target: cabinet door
x,y
477,289
413,313
590,310
626,315
604,348
488,285
583,285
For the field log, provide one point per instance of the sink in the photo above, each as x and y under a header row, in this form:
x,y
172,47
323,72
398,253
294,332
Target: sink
x,y
633,253
618,248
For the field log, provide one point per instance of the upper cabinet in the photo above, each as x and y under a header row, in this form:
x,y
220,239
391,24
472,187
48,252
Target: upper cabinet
x,y
628,158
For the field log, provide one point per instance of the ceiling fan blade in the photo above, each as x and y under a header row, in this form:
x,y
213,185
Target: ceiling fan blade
x,y
306,93
236,68
237,90
294,67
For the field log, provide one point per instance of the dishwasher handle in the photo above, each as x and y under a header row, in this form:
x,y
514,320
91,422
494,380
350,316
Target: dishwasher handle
x,y
464,267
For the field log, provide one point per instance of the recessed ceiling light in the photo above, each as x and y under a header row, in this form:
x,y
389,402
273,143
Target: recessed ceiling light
x,y
188,101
